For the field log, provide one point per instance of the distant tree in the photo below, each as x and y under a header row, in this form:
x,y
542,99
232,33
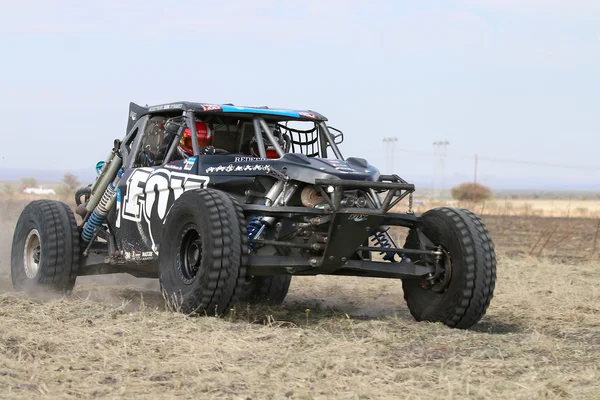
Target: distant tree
x,y
8,189
471,191
71,181
29,182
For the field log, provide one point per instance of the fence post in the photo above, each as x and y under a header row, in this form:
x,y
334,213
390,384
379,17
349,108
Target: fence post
x,y
595,242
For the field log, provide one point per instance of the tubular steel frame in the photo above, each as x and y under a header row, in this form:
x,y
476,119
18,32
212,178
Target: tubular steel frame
x,y
397,189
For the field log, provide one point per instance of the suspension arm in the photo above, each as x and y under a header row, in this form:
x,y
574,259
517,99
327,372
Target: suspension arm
x,y
401,251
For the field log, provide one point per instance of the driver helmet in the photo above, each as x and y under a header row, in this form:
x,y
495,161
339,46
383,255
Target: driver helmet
x,y
203,133
283,140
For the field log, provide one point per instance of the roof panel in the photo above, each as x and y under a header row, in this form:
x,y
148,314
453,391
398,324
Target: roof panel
x,y
213,108
252,110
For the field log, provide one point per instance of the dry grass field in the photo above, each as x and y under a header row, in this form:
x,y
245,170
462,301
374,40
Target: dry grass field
x,y
334,337
567,208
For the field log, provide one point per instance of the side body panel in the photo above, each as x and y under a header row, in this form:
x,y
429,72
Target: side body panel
x,y
145,195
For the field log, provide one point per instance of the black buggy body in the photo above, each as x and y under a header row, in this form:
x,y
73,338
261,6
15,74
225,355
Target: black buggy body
x,y
269,198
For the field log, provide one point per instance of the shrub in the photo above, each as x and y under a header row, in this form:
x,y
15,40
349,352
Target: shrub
x,y
8,189
471,191
71,181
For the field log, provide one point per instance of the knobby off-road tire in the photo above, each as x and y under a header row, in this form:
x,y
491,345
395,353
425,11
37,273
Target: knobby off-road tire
x,y
465,299
45,248
202,253
270,290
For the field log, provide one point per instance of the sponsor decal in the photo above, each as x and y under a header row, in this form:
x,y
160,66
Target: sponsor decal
x,y
133,115
211,107
165,107
357,217
134,255
239,168
245,159
173,166
147,255
189,163
118,206
150,191
340,165
307,115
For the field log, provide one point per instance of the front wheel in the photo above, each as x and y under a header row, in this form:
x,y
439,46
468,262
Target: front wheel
x,y
461,293
202,263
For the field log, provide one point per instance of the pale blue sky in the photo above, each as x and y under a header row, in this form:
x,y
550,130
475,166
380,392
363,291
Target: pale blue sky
x,y
502,78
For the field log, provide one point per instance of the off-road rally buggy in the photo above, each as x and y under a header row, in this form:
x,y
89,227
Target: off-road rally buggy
x,y
224,204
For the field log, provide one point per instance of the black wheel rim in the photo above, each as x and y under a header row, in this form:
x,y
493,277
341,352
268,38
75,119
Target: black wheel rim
x,y
444,274
190,254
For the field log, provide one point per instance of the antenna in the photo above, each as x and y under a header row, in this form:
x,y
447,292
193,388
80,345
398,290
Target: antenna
x,y
440,148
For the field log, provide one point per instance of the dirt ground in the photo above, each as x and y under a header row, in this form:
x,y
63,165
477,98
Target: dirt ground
x,y
334,337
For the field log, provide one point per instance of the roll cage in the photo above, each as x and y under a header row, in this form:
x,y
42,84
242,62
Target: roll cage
x,y
347,227
322,139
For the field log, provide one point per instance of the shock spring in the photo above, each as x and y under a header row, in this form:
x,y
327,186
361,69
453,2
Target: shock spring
x,y
255,228
380,239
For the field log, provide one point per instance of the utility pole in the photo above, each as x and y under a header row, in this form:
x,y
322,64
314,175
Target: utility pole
x,y
440,148
390,143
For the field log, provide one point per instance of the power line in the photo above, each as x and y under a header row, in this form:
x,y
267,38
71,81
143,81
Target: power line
x,y
538,164
504,160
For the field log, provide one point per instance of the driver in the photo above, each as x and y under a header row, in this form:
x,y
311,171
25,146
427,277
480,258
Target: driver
x,y
282,140
204,135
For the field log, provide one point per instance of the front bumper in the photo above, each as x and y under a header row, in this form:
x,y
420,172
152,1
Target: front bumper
x,y
348,229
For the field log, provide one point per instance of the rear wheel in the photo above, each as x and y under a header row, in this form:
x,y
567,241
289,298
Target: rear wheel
x,y
462,290
269,290
202,266
45,248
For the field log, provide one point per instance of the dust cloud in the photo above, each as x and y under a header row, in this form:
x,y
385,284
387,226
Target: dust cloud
x,y
9,213
10,209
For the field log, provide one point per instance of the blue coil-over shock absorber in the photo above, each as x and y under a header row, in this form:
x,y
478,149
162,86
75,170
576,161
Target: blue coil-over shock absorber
x,y
258,224
380,239
255,228
99,214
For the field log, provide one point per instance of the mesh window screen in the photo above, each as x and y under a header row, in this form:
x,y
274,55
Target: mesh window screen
x,y
303,141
